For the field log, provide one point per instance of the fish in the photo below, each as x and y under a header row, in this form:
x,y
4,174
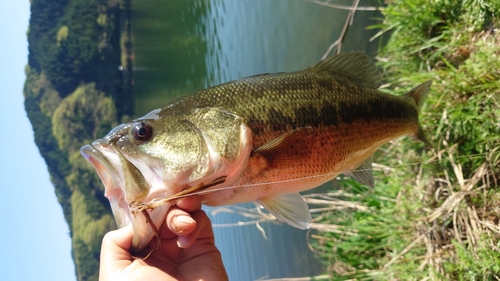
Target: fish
x,y
262,138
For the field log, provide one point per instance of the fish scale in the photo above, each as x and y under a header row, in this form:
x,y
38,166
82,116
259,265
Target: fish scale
x,y
279,102
263,138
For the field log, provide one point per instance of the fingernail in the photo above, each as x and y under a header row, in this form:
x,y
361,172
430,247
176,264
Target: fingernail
x,y
183,241
181,222
184,219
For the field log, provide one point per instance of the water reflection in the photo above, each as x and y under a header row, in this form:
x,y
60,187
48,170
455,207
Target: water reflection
x,y
169,39
189,45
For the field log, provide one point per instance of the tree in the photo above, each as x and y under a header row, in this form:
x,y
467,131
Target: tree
x,y
81,116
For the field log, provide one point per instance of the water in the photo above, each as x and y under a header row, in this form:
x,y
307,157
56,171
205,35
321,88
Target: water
x,y
187,45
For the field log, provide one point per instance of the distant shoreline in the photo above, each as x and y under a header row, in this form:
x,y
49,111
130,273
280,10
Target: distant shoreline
x,y
126,49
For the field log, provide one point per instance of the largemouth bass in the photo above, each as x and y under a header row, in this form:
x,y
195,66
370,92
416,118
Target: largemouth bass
x,y
263,138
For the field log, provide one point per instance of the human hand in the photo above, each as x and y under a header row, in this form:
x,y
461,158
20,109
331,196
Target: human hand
x,y
187,250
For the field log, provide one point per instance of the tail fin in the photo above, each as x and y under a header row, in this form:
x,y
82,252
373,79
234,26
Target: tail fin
x,y
418,95
420,135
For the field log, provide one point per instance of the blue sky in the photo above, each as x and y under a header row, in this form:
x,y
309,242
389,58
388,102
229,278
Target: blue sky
x,y
35,242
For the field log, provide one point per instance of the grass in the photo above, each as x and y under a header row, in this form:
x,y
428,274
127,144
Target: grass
x,y
434,214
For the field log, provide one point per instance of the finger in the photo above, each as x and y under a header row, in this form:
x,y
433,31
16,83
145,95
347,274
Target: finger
x,y
179,222
190,204
202,223
118,241
115,251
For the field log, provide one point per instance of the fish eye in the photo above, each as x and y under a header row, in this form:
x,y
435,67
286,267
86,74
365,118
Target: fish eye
x,y
142,132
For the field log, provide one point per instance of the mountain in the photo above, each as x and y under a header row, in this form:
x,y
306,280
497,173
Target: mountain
x,y
75,92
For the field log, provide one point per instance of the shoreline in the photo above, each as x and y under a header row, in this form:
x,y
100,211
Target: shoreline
x,y
126,59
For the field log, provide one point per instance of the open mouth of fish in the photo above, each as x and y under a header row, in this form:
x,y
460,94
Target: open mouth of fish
x,y
134,200
145,218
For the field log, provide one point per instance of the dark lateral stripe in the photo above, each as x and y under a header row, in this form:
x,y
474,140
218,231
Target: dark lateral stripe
x,y
335,114
301,99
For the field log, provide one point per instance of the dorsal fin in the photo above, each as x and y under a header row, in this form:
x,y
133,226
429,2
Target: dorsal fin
x,y
262,74
356,67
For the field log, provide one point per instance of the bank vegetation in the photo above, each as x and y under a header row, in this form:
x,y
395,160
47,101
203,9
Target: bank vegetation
x,y
434,213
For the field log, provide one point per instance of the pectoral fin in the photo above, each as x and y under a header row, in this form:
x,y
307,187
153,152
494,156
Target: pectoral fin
x,y
287,148
290,208
284,140
363,173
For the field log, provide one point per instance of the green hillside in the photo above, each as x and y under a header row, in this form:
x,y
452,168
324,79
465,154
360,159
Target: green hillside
x,y
72,85
78,87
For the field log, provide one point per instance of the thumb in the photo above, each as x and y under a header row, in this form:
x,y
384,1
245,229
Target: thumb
x,y
115,252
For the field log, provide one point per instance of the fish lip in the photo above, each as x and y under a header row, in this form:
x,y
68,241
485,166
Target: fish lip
x,y
98,160
111,180
114,191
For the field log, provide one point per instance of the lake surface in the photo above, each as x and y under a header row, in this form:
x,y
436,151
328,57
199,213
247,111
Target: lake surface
x,y
181,46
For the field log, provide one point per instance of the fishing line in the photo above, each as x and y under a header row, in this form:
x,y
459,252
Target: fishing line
x,y
201,192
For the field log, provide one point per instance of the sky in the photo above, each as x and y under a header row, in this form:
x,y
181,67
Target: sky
x,y
35,242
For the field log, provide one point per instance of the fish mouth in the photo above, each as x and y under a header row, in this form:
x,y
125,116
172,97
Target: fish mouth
x,y
104,158
111,180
